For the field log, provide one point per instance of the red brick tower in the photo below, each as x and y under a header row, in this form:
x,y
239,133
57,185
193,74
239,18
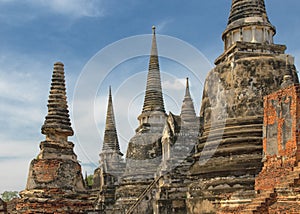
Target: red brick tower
x,y
55,183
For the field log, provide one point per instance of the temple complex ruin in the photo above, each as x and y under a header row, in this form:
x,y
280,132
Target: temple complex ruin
x,y
239,155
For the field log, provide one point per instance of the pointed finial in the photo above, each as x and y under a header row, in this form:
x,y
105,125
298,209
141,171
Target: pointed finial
x,y
187,109
187,88
109,91
153,97
110,142
110,120
153,29
154,51
187,82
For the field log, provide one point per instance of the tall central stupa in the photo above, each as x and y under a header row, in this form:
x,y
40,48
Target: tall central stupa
x,y
229,152
144,149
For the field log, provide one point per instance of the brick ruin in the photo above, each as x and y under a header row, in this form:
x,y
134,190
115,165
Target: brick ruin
x,y
278,182
55,183
239,156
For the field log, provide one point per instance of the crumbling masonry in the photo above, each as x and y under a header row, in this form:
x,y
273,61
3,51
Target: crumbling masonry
x,y
240,155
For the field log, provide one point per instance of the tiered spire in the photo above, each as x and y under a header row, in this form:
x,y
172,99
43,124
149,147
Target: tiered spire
x,y
153,98
58,120
241,9
111,142
55,176
248,21
187,109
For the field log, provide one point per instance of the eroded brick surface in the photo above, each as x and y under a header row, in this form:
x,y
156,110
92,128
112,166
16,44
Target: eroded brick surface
x,y
278,185
46,170
281,132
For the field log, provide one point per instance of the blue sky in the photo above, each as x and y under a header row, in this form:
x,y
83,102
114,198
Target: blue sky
x,y
36,33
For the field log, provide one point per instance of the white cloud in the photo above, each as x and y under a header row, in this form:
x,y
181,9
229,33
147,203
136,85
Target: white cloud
x,y
13,174
74,8
23,89
19,86
70,8
174,84
15,156
18,149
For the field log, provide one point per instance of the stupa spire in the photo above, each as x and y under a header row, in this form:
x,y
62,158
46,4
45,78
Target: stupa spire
x,y
248,21
187,109
57,121
55,176
241,9
153,98
187,89
110,142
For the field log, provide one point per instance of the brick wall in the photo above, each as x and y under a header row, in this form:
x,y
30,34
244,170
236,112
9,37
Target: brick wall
x,y
46,170
281,134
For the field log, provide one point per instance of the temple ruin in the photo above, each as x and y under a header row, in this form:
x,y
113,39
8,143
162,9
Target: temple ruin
x,y
240,155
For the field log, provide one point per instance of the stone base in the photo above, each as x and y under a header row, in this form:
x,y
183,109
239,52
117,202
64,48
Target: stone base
x,y
53,201
55,173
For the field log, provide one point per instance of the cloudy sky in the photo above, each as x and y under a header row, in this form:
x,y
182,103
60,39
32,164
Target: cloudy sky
x,y
83,34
